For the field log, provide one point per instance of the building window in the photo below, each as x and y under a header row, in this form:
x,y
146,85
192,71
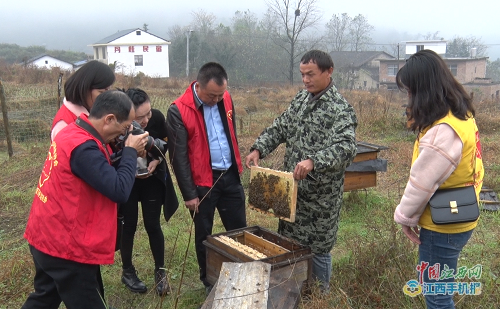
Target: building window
x,y
158,49
138,32
46,62
364,83
138,60
392,69
145,49
420,47
104,53
453,69
117,49
131,49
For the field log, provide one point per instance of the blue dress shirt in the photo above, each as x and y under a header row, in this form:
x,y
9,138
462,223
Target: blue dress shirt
x,y
220,152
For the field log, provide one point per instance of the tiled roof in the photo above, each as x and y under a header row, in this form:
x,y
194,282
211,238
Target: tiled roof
x,y
115,36
352,59
119,34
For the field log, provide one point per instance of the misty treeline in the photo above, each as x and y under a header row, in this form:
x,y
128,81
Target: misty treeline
x,y
13,53
268,49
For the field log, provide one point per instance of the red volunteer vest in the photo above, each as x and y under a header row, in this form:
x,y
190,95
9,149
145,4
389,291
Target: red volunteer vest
x,y
198,148
65,115
68,218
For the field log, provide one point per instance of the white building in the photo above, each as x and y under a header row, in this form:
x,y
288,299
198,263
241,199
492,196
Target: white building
x,y
438,46
45,61
134,51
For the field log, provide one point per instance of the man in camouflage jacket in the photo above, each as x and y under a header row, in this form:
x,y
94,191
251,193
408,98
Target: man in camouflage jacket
x,y
319,131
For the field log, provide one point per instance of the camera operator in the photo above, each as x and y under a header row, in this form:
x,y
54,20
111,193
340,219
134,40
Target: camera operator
x,y
152,189
72,224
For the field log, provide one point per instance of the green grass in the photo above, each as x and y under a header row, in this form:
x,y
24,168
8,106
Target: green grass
x,y
372,259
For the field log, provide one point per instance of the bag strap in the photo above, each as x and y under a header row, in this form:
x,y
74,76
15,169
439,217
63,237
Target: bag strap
x,y
92,131
474,167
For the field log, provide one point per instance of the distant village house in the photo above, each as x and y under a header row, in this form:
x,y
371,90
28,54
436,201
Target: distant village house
x,y
133,51
358,69
470,71
45,61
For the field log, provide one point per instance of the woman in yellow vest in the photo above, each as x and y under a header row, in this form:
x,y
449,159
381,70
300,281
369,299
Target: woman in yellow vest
x,y
447,154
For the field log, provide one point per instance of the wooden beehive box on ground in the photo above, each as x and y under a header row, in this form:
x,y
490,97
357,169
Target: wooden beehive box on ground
x,y
362,173
281,252
273,192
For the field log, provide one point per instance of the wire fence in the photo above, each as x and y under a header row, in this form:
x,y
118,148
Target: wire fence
x,y
27,114
29,110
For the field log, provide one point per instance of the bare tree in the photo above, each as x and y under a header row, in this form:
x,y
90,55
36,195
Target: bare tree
x,y
346,32
461,47
295,16
395,49
145,27
360,33
431,36
338,31
203,25
203,22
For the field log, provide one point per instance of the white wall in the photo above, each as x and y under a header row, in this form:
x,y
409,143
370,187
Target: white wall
x,y
439,47
47,62
155,60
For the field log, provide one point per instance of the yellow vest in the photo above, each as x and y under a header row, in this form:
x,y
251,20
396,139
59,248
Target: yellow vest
x,y
462,175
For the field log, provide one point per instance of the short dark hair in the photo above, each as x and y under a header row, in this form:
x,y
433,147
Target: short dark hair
x,y
321,58
112,102
138,96
432,90
92,75
211,71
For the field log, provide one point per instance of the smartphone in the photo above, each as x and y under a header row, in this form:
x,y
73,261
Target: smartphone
x,y
142,172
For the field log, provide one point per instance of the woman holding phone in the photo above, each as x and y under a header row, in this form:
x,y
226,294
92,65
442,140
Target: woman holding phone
x,y
149,189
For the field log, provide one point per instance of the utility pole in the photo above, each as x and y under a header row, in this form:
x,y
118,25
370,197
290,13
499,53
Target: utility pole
x,y
188,34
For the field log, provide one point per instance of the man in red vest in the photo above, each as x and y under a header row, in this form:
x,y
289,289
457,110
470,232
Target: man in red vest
x,y
72,225
204,153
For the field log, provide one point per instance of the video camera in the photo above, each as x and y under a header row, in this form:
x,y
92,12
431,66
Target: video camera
x,y
155,147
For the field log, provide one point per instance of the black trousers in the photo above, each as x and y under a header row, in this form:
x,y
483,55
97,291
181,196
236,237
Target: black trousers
x,y
78,285
228,198
151,193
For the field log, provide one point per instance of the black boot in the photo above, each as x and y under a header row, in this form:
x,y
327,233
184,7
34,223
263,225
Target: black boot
x,y
161,282
132,282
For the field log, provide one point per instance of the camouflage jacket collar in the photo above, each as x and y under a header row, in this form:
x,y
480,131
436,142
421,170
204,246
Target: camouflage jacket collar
x,y
316,97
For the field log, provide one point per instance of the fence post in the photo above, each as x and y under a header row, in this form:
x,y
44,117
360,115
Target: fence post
x,y
6,121
59,89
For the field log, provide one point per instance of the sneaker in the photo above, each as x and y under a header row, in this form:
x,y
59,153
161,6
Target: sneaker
x,y
161,282
132,282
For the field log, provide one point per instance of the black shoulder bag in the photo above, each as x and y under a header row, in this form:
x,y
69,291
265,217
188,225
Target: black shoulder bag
x,y
455,205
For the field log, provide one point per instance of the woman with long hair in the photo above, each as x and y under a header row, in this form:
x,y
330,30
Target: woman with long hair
x,y
446,154
80,91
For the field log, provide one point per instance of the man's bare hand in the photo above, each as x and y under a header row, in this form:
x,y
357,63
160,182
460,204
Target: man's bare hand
x,y
253,157
193,204
137,141
302,169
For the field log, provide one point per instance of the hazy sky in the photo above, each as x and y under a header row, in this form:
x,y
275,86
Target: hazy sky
x,y
72,25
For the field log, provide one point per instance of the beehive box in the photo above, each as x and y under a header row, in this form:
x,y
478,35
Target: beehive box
x,y
355,178
281,252
273,193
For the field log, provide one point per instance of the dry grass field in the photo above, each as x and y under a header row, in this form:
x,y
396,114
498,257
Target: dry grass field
x,y
372,258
